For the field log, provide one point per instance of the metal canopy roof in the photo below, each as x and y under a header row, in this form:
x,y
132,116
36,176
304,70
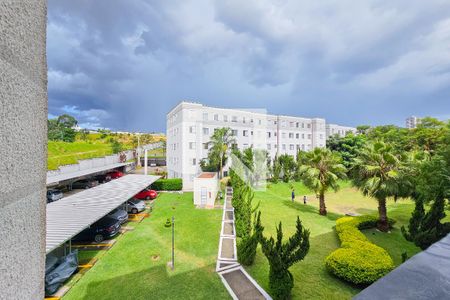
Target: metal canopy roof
x,y
424,276
66,176
71,215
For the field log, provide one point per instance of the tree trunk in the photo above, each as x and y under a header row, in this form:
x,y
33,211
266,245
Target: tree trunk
x,y
383,224
220,171
322,207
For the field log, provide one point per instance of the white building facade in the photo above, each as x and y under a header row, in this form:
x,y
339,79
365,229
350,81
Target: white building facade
x,y
191,125
333,129
412,122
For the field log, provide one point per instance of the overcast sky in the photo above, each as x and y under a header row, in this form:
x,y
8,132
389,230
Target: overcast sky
x,y
124,64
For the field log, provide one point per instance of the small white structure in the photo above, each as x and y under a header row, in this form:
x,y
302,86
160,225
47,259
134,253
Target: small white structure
x,y
206,187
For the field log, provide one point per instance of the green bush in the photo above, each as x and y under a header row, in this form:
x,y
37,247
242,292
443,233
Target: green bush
x,y
358,260
174,184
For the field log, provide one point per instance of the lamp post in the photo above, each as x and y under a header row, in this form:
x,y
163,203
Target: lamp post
x,y
173,242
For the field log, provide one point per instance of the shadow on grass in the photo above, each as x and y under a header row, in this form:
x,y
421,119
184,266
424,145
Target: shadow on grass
x,y
158,283
311,209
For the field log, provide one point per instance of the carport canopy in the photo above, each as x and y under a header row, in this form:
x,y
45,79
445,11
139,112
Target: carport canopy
x,y
70,215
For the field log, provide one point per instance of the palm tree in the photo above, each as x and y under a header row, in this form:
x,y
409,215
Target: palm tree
x,y
377,173
221,141
321,171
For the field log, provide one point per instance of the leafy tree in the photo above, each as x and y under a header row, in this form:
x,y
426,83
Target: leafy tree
x,y
431,184
288,166
321,172
221,141
428,135
348,147
276,169
377,173
362,129
61,128
282,256
84,133
116,146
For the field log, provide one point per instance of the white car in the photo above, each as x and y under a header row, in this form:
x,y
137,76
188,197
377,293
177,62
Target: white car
x,y
135,206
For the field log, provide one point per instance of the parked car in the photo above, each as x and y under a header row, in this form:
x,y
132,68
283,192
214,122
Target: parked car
x,y
119,214
84,184
115,174
57,271
146,194
135,206
53,195
106,227
103,178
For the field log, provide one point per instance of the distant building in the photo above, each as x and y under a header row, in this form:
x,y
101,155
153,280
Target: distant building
x,y
191,125
333,129
412,122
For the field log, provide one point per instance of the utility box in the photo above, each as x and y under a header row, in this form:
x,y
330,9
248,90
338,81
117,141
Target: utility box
x,y
206,187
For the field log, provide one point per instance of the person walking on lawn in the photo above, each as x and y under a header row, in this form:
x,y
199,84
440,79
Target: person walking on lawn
x,y
304,199
293,195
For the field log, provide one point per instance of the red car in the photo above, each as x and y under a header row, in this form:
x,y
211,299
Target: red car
x,y
146,194
115,174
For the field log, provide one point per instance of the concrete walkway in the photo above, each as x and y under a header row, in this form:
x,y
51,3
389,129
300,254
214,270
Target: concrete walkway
x,y
238,282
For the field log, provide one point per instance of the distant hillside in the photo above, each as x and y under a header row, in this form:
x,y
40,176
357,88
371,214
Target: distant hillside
x,y
95,145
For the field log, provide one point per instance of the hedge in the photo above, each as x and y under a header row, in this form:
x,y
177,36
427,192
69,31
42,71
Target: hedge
x,y
358,260
173,184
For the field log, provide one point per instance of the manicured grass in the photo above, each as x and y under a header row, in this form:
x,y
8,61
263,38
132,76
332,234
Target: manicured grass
x,y
312,281
128,270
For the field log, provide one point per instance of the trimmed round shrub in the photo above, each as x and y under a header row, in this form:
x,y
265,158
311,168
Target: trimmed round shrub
x,y
358,260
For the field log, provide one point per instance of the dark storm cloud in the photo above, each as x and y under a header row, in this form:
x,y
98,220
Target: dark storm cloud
x,y
124,64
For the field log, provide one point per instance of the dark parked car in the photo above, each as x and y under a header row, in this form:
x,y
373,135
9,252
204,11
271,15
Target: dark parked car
x,y
119,214
84,184
53,195
106,227
103,178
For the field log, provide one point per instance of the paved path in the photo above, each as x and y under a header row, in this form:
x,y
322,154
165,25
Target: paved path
x,y
238,282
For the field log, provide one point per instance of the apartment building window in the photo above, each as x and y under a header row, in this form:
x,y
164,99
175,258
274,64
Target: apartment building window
x,y
216,117
205,146
321,136
298,147
268,147
205,116
303,135
303,147
245,133
309,136
225,118
297,124
275,134
291,147
194,161
191,129
268,134
283,123
291,135
291,124
233,119
245,146
205,130
251,132
303,125
192,145
297,135
309,125
259,122
283,135
234,132
275,146
274,122
283,147
251,120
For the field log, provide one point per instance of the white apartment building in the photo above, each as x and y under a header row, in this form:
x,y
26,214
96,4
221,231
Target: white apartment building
x,y
333,129
412,122
190,126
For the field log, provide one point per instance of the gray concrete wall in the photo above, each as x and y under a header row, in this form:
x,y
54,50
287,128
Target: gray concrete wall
x,y
23,147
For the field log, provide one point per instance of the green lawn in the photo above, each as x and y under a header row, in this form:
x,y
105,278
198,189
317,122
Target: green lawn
x,y
128,270
312,281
